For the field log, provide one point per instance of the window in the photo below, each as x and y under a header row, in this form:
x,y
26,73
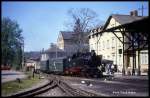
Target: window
x,y
113,58
120,51
91,47
103,45
108,57
99,46
89,37
104,57
112,25
120,42
113,42
120,55
107,44
144,58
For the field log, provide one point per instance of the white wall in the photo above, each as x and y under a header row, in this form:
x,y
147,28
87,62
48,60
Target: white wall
x,y
44,57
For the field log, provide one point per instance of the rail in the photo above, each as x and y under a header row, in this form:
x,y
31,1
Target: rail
x,y
54,81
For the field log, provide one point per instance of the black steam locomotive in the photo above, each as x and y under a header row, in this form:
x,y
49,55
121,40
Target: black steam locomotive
x,y
79,64
83,64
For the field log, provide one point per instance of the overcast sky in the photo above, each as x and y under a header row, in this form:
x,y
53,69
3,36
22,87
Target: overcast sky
x,y
42,21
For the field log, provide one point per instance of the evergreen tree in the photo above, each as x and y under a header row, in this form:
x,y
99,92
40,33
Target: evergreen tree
x,y
11,43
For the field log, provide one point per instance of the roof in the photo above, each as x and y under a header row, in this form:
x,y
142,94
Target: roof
x,y
95,30
137,26
32,55
67,34
123,19
53,49
35,58
30,61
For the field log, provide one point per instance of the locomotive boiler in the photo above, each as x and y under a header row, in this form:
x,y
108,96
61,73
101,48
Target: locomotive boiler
x,y
83,64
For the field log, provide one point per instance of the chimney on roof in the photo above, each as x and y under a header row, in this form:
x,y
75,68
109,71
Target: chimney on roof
x,y
134,13
42,49
52,45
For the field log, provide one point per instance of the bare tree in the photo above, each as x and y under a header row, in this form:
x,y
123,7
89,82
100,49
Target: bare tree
x,y
82,20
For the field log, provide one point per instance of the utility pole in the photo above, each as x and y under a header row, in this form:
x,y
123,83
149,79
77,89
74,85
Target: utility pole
x,y
23,63
116,52
142,9
56,51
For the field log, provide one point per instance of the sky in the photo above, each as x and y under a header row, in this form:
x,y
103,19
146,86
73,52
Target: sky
x,y
41,22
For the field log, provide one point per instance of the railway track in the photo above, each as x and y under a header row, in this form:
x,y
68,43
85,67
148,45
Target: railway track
x,y
54,82
36,91
74,92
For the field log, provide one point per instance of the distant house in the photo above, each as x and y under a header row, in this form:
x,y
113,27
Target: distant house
x,y
67,41
32,63
52,58
52,52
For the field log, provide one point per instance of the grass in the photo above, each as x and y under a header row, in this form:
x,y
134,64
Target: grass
x,y
13,86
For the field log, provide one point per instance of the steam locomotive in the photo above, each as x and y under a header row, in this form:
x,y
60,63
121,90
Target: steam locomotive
x,y
79,64
83,64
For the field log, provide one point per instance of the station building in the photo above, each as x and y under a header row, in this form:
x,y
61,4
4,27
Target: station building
x,y
118,48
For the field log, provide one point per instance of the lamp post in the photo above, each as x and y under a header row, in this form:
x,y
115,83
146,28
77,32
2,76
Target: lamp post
x,y
23,63
56,51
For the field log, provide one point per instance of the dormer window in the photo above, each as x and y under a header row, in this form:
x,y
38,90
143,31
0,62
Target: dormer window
x,y
95,31
99,29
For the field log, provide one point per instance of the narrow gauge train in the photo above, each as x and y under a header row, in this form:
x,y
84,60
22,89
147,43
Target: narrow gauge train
x,y
52,66
80,64
83,64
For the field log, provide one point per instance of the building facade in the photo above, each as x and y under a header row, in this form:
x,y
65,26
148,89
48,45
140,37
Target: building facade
x,y
66,42
111,48
52,52
32,64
